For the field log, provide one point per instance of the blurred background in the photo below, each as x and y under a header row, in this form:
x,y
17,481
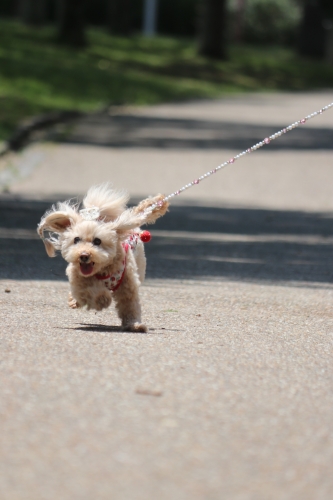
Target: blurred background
x,y
83,55
230,394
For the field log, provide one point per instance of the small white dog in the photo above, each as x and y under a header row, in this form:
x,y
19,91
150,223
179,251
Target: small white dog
x,y
103,248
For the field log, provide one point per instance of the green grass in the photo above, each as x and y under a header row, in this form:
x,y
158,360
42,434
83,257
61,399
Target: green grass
x,y
37,75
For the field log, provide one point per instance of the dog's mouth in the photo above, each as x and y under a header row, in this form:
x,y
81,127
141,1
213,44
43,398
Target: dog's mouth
x,y
86,268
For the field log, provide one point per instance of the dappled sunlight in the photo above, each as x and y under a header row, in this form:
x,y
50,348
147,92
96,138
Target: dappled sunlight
x,y
119,130
38,75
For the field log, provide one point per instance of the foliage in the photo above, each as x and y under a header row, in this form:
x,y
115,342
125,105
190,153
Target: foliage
x,y
37,75
271,21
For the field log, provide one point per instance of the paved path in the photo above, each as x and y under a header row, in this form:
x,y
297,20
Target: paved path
x,y
229,395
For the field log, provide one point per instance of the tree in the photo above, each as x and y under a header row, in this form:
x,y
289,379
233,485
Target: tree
x,y
212,28
71,22
33,12
239,20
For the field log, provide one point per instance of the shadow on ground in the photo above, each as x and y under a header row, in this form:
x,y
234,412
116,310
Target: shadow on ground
x,y
192,242
119,131
92,327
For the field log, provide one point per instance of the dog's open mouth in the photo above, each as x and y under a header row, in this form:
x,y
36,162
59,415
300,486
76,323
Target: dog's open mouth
x,y
86,268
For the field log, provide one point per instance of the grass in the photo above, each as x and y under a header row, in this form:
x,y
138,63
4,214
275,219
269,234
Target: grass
x,y
37,75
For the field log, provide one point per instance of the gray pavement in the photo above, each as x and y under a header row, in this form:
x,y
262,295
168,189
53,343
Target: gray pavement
x,y
229,395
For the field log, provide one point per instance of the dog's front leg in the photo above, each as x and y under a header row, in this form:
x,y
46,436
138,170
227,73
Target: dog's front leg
x,y
77,296
86,292
73,303
128,302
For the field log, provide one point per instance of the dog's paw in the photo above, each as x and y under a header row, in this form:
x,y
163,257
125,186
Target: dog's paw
x,y
72,303
135,327
102,301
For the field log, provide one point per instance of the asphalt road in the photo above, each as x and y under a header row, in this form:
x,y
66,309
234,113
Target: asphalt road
x,y
229,394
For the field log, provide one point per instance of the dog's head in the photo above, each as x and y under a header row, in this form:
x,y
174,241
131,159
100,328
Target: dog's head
x,y
90,238
89,245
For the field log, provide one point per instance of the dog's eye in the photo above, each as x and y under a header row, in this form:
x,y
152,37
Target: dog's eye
x,y
97,241
76,240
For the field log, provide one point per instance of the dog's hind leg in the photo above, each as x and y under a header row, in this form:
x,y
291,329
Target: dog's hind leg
x,y
127,300
140,258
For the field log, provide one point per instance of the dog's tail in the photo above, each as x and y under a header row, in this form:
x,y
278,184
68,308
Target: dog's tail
x,y
153,208
111,203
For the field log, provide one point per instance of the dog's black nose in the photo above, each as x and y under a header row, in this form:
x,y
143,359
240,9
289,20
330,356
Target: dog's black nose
x,y
84,257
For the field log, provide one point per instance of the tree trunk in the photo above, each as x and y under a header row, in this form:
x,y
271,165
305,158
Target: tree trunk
x,y
212,26
150,17
33,12
119,17
239,21
71,22
312,36
329,46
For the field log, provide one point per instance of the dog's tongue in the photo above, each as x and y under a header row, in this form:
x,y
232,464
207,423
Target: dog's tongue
x,y
87,268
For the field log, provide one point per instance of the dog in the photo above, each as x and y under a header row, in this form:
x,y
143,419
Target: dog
x,y
102,245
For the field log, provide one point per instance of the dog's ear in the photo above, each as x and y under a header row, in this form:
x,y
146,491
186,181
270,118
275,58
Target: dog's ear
x,y
128,220
56,221
145,213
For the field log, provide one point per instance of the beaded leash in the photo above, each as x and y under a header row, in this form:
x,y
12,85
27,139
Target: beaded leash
x,y
264,142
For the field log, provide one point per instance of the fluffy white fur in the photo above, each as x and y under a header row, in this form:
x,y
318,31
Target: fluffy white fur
x,y
95,247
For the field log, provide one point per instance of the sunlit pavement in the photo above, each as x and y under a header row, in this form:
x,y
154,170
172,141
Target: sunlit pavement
x,y
229,394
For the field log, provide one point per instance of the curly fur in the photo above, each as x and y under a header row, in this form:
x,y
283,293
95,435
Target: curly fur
x,y
110,202
95,247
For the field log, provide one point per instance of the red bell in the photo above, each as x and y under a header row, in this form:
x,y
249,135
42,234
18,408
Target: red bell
x,y
145,236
